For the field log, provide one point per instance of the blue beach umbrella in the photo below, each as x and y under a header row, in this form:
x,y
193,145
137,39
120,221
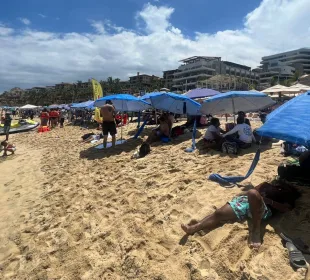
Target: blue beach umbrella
x,y
290,122
178,104
175,103
124,103
83,104
235,101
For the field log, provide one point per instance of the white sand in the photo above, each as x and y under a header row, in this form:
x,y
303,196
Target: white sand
x,y
69,211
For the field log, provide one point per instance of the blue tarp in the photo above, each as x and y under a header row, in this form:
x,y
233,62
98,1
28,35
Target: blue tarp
x,y
290,122
175,103
124,103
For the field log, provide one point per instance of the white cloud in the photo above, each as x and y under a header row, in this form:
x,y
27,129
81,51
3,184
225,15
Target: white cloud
x,y
155,18
42,16
98,26
4,31
32,58
25,21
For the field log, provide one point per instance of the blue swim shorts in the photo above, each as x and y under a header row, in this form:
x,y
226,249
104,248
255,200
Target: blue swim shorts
x,y
241,207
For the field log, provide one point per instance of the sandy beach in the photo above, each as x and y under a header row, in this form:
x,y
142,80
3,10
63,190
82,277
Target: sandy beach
x,y
69,211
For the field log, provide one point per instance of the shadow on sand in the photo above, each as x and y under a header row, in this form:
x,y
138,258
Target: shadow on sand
x,y
92,153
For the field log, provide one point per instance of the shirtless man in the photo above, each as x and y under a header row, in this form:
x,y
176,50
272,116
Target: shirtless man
x,y
108,125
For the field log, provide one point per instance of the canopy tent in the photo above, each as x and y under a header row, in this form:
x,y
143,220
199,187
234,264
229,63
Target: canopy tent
x,y
83,104
290,122
175,103
29,106
235,101
201,93
124,103
276,88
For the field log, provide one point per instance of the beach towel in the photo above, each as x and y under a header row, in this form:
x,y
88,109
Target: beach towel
x,y
235,179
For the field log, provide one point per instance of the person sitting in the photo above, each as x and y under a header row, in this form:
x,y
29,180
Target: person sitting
x,y
243,115
7,147
161,132
244,132
257,204
213,137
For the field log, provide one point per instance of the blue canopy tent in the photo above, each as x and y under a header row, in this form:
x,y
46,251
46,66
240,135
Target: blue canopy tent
x,y
177,104
235,101
123,103
290,122
147,97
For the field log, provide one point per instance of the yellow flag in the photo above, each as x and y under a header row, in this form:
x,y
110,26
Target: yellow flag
x,y
97,94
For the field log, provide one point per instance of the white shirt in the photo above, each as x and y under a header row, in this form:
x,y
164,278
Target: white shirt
x,y
244,131
209,133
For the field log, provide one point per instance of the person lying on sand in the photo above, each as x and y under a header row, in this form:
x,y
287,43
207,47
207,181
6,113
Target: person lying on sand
x,y
257,204
161,131
7,147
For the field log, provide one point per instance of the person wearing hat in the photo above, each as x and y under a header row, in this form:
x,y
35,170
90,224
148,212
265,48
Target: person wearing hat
x,y
7,125
243,115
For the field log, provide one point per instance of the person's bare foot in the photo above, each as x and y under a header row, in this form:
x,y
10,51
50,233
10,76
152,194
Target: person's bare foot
x,y
255,241
189,228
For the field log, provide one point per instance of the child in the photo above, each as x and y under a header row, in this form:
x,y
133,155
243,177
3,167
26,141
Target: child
x,y
8,147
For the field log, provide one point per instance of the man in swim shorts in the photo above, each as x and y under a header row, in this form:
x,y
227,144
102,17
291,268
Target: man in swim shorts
x,y
108,124
257,204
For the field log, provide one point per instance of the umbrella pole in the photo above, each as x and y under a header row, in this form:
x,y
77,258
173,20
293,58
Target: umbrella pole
x,y
233,103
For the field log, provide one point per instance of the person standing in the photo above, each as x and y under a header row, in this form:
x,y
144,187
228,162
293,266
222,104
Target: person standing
x,y
44,116
7,125
108,124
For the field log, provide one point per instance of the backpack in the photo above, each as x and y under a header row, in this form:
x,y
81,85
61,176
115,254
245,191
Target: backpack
x,y
144,149
230,148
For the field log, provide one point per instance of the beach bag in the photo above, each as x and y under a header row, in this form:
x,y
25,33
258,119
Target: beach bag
x,y
230,148
144,150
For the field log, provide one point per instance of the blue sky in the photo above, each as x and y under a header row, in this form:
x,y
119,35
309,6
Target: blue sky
x,y
43,42
206,16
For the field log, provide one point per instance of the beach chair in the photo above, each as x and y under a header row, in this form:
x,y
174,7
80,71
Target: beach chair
x,y
232,180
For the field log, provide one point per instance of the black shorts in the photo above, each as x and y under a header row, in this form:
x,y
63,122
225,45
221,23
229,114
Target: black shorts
x,y
108,127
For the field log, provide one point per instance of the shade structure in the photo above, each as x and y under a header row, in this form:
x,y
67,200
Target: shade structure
x,y
147,97
276,88
290,122
201,93
175,103
297,88
235,101
29,106
124,103
85,104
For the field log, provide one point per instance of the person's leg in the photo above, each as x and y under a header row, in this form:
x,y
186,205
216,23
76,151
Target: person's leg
x,y
219,217
105,140
256,209
113,140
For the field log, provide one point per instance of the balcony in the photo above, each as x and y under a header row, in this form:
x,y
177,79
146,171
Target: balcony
x,y
192,77
201,68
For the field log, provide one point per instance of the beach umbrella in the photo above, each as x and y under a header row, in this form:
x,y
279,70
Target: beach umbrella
x,y
175,103
235,101
124,103
290,122
147,97
83,104
276,88
201,93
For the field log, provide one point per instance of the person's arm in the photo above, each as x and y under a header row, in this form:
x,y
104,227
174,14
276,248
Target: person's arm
x,y
278,206
234,130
